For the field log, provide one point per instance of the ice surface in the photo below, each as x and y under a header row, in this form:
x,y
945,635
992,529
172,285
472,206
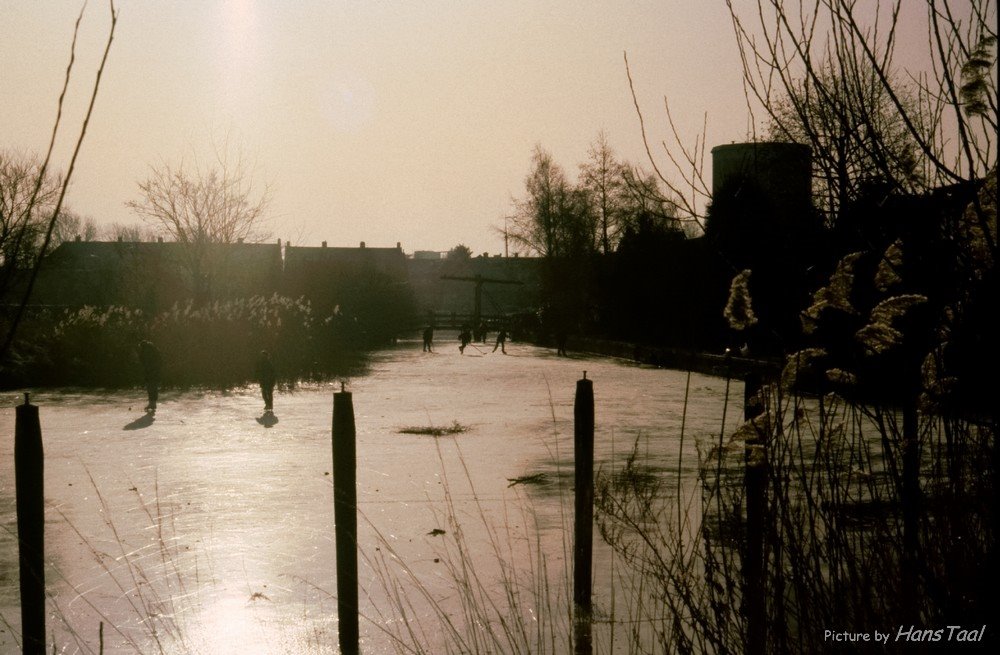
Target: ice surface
x,y
210,527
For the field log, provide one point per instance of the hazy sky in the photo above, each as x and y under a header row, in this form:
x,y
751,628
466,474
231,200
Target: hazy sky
x,y
376,121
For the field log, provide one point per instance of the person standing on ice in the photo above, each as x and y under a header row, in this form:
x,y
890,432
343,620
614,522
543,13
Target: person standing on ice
x,y
152,363
428,339
501,341
465,336
561,338
266,378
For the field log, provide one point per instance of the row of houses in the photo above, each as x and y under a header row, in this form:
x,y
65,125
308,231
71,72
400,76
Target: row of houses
x,y
155,275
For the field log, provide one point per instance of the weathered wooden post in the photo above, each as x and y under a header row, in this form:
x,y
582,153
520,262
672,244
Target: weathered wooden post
x,y
910,498
583,546
345,515
755,478
30,489
753,400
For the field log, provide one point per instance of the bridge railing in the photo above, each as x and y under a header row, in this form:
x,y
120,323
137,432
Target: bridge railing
x,y
457,320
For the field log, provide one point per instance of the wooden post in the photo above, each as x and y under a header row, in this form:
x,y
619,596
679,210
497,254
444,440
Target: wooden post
x,y
910,498
345,510
583,547
753,403
30,489
755,479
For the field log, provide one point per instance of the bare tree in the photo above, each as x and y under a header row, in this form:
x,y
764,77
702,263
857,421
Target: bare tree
x,y
854,132
839,55
201,208
643,196
554,219
601,179
127,232
72,225
41,186
683,174
27,198
25,214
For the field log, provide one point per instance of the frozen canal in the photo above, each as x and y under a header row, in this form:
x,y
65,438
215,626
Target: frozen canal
x,y
210,530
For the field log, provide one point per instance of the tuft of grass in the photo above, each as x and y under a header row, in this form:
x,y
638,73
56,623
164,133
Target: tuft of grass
x,y
430,430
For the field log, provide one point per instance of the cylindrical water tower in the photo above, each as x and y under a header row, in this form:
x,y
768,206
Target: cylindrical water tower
x,y
782,172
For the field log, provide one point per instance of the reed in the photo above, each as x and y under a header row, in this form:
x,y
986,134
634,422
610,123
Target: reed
x,y
213,345
834,528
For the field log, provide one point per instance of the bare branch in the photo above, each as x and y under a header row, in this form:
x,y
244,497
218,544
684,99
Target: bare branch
x,y
12,330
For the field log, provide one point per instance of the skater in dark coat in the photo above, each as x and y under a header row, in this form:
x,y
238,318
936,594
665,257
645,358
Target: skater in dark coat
x,y
152,364
429,339
501,341
561,338
266,378
465,336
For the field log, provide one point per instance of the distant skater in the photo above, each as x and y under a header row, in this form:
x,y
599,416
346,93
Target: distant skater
x,y
465,336
501,341
265,376
152,364
561,338
428,339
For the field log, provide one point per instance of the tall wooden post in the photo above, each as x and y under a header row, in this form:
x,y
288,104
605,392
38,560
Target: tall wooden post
x,y
345,514
755,479
583,531
753,402
911,507
30,489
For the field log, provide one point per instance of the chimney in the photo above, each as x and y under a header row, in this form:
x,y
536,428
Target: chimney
x,y
362,244
120,238
240,240
399,245
324,244
159,239
78,238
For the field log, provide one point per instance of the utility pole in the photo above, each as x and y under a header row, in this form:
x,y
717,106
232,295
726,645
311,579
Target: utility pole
x,y
506,252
